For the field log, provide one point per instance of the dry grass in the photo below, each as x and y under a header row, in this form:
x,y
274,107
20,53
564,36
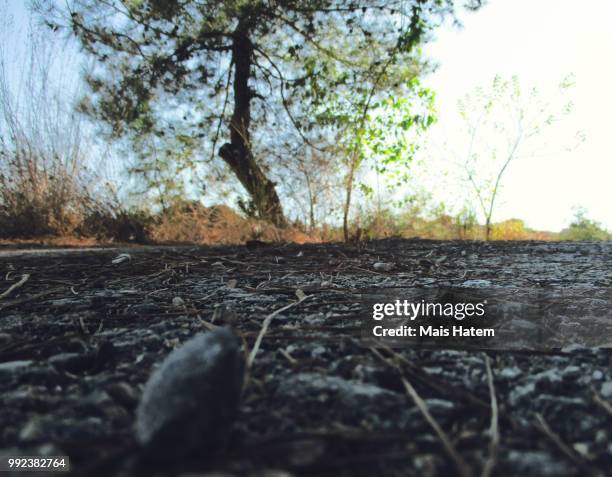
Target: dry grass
x,y
51,242
218,225
192,223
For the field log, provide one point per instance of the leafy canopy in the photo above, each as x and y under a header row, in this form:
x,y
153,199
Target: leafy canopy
x,y
165,64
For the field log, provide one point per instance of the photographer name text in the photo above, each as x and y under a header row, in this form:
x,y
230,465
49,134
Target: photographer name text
x,y
399,313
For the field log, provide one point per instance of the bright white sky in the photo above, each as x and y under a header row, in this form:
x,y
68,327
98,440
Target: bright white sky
x,y
540,41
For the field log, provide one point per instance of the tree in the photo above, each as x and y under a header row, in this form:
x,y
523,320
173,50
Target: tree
x,y
583,228
381,130
501,124
316,181
174,66
390,139
466,222
161,169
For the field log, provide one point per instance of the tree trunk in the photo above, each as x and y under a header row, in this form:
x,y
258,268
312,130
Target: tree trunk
x,y
350,179
311,201
237,153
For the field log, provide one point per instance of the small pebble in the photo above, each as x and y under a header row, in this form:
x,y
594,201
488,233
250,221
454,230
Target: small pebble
x,y
510,372
606,389
383,267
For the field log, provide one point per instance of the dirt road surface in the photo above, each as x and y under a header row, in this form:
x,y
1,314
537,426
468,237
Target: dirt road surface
x,y
80,335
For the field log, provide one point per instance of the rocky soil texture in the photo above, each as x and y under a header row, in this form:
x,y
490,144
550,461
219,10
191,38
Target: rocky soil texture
x,y
80,333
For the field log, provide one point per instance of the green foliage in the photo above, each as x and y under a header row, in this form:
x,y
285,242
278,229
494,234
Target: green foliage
x,y
157,53
583,228
466,223
390,137
165,68
501,123
162,167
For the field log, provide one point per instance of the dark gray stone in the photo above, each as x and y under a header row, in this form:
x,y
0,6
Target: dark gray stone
x,y
190,401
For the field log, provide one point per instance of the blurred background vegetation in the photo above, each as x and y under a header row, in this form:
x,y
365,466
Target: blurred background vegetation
x,y
220,122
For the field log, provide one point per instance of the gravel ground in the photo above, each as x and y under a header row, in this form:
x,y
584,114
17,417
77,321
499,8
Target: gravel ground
x,y
81,334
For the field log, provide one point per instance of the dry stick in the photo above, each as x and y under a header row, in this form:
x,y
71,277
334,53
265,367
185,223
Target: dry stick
x,y
14,286
462,467
288,357
266,324
494,429
602,403
565,450
434,384
460,464
207,325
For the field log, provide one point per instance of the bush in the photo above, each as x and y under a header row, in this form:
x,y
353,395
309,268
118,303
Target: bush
x,y
512,229
117,224
190,221
38,197
583,228
43,175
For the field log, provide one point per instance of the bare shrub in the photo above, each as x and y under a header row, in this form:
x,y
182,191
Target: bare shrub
x,y
43,142
191,222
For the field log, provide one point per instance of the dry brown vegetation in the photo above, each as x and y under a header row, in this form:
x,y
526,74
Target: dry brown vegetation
x,y
50,194
191,222
194,223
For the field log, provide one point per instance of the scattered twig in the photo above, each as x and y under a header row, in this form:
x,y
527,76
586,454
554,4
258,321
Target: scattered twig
x,y
83,327
460,464
605,405
154,292
366,270
435,384
207,296
494,428
266,323
543,426
209,326
14,286
122,257
288,357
